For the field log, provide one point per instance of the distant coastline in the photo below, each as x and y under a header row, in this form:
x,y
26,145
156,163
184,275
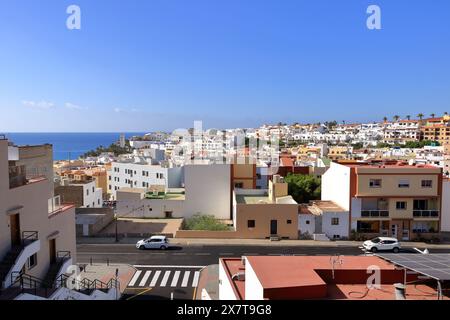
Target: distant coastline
x,y
68,145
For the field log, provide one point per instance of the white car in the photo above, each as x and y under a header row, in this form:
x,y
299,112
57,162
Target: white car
x,y
154,242
382,244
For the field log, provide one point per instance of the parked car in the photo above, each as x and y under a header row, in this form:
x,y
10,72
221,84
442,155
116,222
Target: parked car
x,y
382,244
154,242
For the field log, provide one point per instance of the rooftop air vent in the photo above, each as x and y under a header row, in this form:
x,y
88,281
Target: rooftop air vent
x,y
240,276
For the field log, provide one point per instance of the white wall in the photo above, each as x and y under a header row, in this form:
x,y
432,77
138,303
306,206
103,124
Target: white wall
x,y
225,287
445,214
93,198
336,185
137,178
303,227
208,190
150,208
253,287
330,230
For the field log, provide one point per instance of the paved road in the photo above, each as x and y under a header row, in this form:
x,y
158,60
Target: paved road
x,y
163,282
200,255
174,272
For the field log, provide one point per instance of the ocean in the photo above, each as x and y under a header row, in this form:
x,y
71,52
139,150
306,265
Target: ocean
x,y
68,145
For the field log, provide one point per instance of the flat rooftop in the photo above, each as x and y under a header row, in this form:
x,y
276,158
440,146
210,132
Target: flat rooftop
x,y
252,199
310,277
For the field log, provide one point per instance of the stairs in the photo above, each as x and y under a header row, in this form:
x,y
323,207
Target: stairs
x,y
52,272
8,261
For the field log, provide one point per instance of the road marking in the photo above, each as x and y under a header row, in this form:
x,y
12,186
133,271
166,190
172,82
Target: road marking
x,y
165,278
226,254
155,278
202,254
136,295
144,278
274,254
135,277
251,254
175,279
195,281
185,279
179,254
163,266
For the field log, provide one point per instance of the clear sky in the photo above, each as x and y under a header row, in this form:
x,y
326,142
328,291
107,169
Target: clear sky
x,y
140,65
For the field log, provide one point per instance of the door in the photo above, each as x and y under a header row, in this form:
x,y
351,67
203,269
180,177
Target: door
x,y
273,227
52,250
15,229
394,229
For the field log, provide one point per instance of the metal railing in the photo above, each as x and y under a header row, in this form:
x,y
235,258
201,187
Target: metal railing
x,y
374,213
32,285
29,237
426,213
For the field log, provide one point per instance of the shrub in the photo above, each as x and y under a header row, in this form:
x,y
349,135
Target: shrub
x,y
204,222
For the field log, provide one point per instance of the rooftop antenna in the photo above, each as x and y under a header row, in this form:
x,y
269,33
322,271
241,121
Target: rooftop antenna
x,y
334,260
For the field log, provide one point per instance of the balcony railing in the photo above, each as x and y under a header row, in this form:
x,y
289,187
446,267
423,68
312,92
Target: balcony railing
x,y
426,213
374,213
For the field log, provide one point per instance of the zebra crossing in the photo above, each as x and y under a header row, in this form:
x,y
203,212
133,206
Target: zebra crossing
x,y
161,276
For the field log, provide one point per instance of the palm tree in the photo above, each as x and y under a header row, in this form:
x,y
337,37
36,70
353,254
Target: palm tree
x,y
432,115
420,116
408,117
385,119
396,117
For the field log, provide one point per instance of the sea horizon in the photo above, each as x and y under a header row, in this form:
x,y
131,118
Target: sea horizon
x,y
68,145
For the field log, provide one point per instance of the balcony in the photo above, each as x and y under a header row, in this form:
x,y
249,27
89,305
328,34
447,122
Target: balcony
x,y
375,213
426,213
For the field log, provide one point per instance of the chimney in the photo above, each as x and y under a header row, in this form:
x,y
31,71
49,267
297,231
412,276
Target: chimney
x,y
400,291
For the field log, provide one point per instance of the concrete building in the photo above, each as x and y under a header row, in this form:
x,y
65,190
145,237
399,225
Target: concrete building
x,y
37,235
387,198
81,191
323,220
317,277
261,214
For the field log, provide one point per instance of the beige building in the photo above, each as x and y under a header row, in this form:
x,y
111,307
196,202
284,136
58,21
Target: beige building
x,y
37,233
260,214
387,198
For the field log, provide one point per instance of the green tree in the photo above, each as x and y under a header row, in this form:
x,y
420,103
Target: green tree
x,y
420,116
408,117
303,188
396,117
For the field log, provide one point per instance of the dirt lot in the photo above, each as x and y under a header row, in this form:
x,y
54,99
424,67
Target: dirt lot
x,y
131,227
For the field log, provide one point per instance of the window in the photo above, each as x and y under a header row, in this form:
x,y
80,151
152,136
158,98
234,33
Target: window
x,y
334,221
98,201
93,189
427,183
307,221
401,205
87,192
32,261
143,184
375,183
250,223
109,178
238,185
289,222
403,183
109,187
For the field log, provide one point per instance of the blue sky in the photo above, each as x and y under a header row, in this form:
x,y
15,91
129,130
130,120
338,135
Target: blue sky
x,y
161,64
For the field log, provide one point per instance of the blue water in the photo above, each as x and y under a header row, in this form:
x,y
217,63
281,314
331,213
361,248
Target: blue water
x,y
68,145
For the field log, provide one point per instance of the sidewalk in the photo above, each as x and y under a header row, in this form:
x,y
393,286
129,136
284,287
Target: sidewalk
x,y
104,273
258,242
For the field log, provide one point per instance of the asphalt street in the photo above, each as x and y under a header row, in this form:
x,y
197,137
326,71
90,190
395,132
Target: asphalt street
x,y
173,273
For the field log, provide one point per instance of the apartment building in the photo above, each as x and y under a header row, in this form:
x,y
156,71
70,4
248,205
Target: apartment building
x,y
97,174
402,131
141,174
37,233
387,198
